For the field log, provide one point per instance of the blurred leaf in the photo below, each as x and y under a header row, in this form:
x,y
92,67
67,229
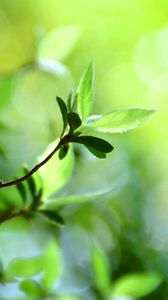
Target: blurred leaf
x,y
31,183
100,270
58,43
53,203
1,270
74,121
63,151
25,267
136,285
22,190
70,101
54,217
31,288
55,173
94,142
121,120
85,93
51,266
64,113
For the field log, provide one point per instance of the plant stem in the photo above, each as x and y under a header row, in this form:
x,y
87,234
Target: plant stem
x,y
63,141
18,214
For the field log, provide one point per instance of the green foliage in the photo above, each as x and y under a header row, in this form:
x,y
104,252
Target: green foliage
x,y
58,43
85,93
52,266
120,120
101,273
25,267
31,288
136,285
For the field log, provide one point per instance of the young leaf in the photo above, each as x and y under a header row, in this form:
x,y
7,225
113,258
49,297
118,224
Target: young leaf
x,y
63,151
58,43
74,121
100,270
121,120
85,93
56,172
54,217
31,288
97,143
51,266
25,267
54,203
64,112
136,285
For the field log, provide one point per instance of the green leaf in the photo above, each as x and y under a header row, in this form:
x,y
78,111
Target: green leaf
x,y
74,121
120,120
58,43
54,217
31,288
85,94
97,143
136,285
63,151
96,153
53,203
56,172
22,191
70,101
52,265
25,267
100,270
31,183
64,112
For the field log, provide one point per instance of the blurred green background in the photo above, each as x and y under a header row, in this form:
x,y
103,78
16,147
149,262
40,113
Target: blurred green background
x,y
44,48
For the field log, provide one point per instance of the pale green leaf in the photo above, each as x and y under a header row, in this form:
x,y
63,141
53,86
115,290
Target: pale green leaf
x,y
101,275
25,267
58,43
31,288
52,266
120,120
85,93
136,285
53,203
55,173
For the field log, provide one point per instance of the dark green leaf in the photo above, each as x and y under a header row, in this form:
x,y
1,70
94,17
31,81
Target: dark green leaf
x,y
54,217
64,112
31,183
97,143
70,101
85,93
96,153
63,151
74,121
31,288
22,191
75,103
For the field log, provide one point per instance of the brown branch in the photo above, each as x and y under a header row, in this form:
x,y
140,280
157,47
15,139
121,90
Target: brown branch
x,y
63,141
9,217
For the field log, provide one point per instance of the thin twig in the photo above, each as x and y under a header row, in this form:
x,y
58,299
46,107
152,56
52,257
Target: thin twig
x,y
63,141
9,217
